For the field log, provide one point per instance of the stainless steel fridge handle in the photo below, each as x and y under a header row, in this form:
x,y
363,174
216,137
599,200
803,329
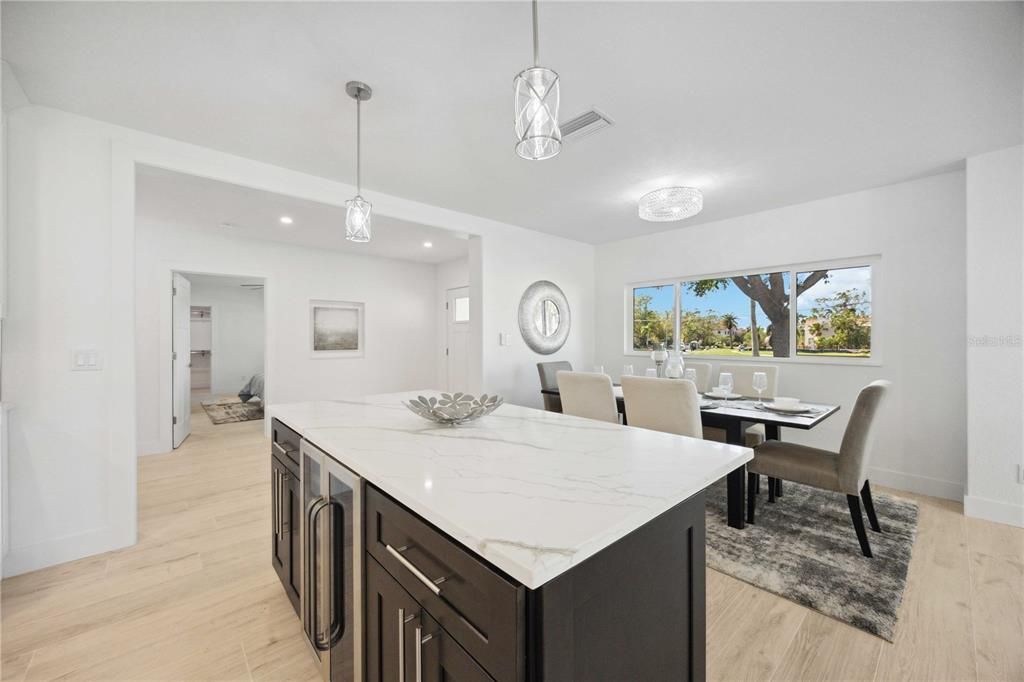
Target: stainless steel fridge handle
x,y
314,512
433,586
420,641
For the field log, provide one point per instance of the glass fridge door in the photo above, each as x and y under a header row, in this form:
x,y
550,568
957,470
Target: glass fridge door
x,y
344,603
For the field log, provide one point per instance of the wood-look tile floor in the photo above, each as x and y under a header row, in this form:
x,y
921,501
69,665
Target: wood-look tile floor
x,y
197,599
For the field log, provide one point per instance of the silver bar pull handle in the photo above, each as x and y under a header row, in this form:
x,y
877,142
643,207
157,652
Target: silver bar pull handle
x,y
420,641
275,506
281,451
402,621
282,508
420,575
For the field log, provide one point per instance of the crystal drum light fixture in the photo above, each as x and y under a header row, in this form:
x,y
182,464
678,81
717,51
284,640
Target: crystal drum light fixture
x,y
536,107
358,215
671,203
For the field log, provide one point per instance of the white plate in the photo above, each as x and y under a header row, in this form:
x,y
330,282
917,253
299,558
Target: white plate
x,y
707,404
799,409
723,396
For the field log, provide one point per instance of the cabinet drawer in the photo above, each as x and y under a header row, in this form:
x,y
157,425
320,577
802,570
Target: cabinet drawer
x,y
480,608
285,445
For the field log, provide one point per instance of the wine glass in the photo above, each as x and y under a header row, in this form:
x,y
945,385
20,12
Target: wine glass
x,y
760,383
725,383
627,370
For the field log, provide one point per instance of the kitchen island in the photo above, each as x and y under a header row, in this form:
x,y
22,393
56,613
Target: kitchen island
x,y
527,545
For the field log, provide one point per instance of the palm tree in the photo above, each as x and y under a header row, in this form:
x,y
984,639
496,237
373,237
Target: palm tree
x,y
731,324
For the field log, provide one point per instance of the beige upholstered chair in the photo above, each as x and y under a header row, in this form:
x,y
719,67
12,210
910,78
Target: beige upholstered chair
x,y
843,472
703,370
668,405
587,394
549,381
743,383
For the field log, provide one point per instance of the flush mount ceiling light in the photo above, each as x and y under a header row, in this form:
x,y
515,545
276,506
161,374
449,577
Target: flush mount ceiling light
x,y
286,220
671,203
536,107
358,210
427,245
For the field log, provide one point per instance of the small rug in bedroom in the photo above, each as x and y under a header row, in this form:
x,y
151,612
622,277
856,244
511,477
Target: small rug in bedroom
x,y
230,410
803,547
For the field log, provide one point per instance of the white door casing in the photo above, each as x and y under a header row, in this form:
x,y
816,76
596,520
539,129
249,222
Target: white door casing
x,y
181,355
457,339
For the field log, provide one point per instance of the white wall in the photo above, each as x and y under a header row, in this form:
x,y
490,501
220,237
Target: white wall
x,y
72,281
399,298
451,275
918,303
995,327
238,329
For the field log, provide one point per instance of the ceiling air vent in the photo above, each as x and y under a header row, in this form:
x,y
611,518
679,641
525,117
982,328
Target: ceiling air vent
x,y
585,124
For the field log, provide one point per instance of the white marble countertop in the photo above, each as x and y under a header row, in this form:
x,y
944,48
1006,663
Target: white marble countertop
x,y
532,492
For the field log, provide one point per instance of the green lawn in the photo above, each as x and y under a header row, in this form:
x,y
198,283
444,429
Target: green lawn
x,y
727,352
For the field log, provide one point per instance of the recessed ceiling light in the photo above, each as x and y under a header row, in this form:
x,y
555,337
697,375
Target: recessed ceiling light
x,y
671,203
286,220
427,245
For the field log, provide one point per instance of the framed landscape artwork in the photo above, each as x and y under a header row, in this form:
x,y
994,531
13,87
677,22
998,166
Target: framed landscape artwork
x,y
336,329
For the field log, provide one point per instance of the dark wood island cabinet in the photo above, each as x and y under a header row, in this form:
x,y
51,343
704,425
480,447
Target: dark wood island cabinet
x,y
526,547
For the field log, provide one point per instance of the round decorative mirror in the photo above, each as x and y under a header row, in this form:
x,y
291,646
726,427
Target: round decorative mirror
x,y
544,317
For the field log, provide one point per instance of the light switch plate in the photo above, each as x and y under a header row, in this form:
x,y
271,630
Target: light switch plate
x,y
86,360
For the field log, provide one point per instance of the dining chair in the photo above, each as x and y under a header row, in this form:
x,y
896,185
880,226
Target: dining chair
x,y
667,405
703,370
842,472
549,381
743,383
588,394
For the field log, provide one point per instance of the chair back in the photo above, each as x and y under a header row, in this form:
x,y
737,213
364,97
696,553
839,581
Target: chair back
x,y
669,405
549,381
703,370
587,394
743,378
855,450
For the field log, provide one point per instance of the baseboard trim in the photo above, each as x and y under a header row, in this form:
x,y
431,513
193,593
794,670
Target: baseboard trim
x,y
923,485
993,510
61,550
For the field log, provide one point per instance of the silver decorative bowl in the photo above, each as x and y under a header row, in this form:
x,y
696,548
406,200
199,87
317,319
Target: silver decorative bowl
x,y
454,408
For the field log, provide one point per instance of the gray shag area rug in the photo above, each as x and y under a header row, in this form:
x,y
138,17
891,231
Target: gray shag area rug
x,y
803,547
232,410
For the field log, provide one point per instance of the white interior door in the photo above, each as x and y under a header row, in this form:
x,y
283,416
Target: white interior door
x,y
457,349
181,353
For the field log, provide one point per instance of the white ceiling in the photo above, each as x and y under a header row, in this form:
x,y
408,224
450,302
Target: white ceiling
x,y
759,104
247,213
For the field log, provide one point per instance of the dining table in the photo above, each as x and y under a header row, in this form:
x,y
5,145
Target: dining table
x,y
733,416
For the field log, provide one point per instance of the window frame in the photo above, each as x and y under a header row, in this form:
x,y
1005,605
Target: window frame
x,y
874,261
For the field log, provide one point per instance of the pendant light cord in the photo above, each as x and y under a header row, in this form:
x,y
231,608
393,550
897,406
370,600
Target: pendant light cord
x,y
536,37
359,135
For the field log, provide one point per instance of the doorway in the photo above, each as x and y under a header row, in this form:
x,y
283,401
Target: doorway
x,y
217,350
457,339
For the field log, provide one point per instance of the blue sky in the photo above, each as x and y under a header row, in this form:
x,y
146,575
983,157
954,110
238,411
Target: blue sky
x,y
732,300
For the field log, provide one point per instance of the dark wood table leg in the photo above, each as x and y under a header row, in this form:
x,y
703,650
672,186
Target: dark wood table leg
x,y
736,481
772,432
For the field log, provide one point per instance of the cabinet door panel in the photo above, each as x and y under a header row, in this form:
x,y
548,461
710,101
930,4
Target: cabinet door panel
x,y
292,507
443,660
389,610
280,545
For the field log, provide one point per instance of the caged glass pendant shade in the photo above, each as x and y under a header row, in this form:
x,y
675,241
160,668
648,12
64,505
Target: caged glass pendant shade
x,y
536,107
671,203
358,217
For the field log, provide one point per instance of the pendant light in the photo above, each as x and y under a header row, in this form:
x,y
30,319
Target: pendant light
x,y
536,107
358,210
